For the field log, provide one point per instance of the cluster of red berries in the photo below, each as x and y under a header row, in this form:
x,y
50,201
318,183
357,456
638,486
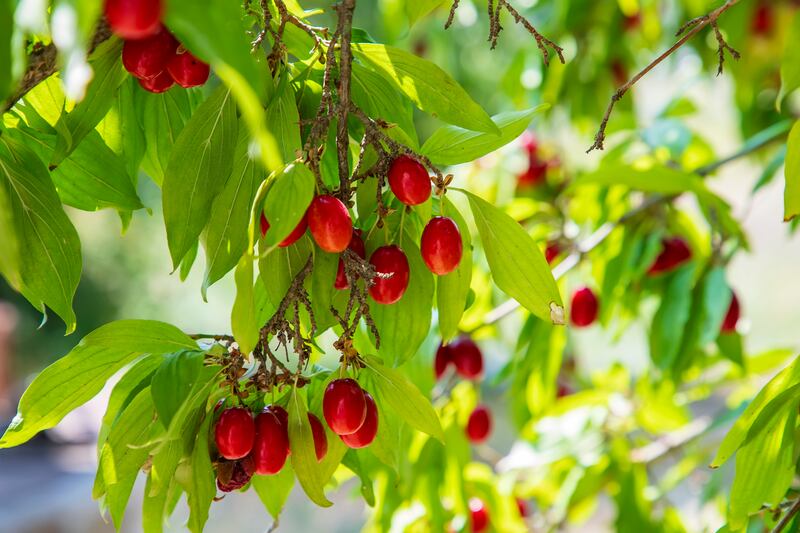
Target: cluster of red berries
x,y
536,173
331,227
151,53
257,445
350,412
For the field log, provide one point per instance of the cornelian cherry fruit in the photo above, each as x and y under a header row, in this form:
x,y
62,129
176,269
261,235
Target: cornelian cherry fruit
x,y
147,58
674,252
187,70
271,445
444,358
479,425
290,239
479,515
366,433
134,19
409,180
522,507
330,223
392,262
320,439
344,406
552,251
466,357
441,245
157,84
235,433
584,307
732,316
357,246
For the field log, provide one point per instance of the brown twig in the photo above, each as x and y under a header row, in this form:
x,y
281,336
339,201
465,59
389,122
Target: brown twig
x,y
688,30
345,9
793,510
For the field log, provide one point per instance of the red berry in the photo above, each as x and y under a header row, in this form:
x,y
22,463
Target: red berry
x,y
357,246
344,406
392,261
563,390
281,413
441,245
443,359
271,445
330,223
674,252
584,307
467,357
187,70
522,507
146,58
552,251
134,19
158,84
366,433
763,21
534,175
479,515
479,425
732,316
631,22
409,180
320,439
241,472
619,72
290,239
234,433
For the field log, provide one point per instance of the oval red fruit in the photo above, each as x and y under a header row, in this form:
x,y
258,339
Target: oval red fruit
x,y
479,425
443,359
390,261
674,252
366,433
330,223
522,507
479,515
234,433
357,246
320,438
146,58
187,70
467,357
732,316
584,307
158,84
552,251
290,239
441,245
409,180
271,445
344,406
134,19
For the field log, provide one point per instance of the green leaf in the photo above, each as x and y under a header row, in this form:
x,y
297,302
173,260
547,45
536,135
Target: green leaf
x,y
283,120
518,267
791,195
353,462
416,9
200,164
304,457
279,267
201,487
77,377
50,267
287,201
174,380
100,96
429,87
6,48
657,179
404,325
274,490
326,266
163,118
226,237
243,315
790,64
405,399
452,290
378,98
156,504
451,145
670,320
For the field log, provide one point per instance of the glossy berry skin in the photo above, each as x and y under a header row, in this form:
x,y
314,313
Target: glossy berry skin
x,y
290,239
187,70
552,252
441,245
674,252
479,425
158,84
134,19
522,507
356,246
344,406
409,180
467,357
281,413
320,438
330,223
479,515
389,260
271,445
732,316
147,58
443,359
584,307
235,433
366,433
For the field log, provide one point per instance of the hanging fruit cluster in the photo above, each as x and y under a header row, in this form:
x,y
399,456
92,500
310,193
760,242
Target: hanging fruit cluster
x,y
151,53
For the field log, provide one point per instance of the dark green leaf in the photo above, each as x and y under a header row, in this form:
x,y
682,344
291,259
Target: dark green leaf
x,y
452,289
670,320
287,201
283,121
274,490
378,98
173,381
791,195
164,117
304,458
278,268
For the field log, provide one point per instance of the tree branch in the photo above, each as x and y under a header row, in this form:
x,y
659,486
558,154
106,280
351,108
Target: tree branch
x,y
688,30
793,510
345,9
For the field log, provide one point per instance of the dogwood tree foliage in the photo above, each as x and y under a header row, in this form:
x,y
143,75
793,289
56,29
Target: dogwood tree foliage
x,y
287,145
